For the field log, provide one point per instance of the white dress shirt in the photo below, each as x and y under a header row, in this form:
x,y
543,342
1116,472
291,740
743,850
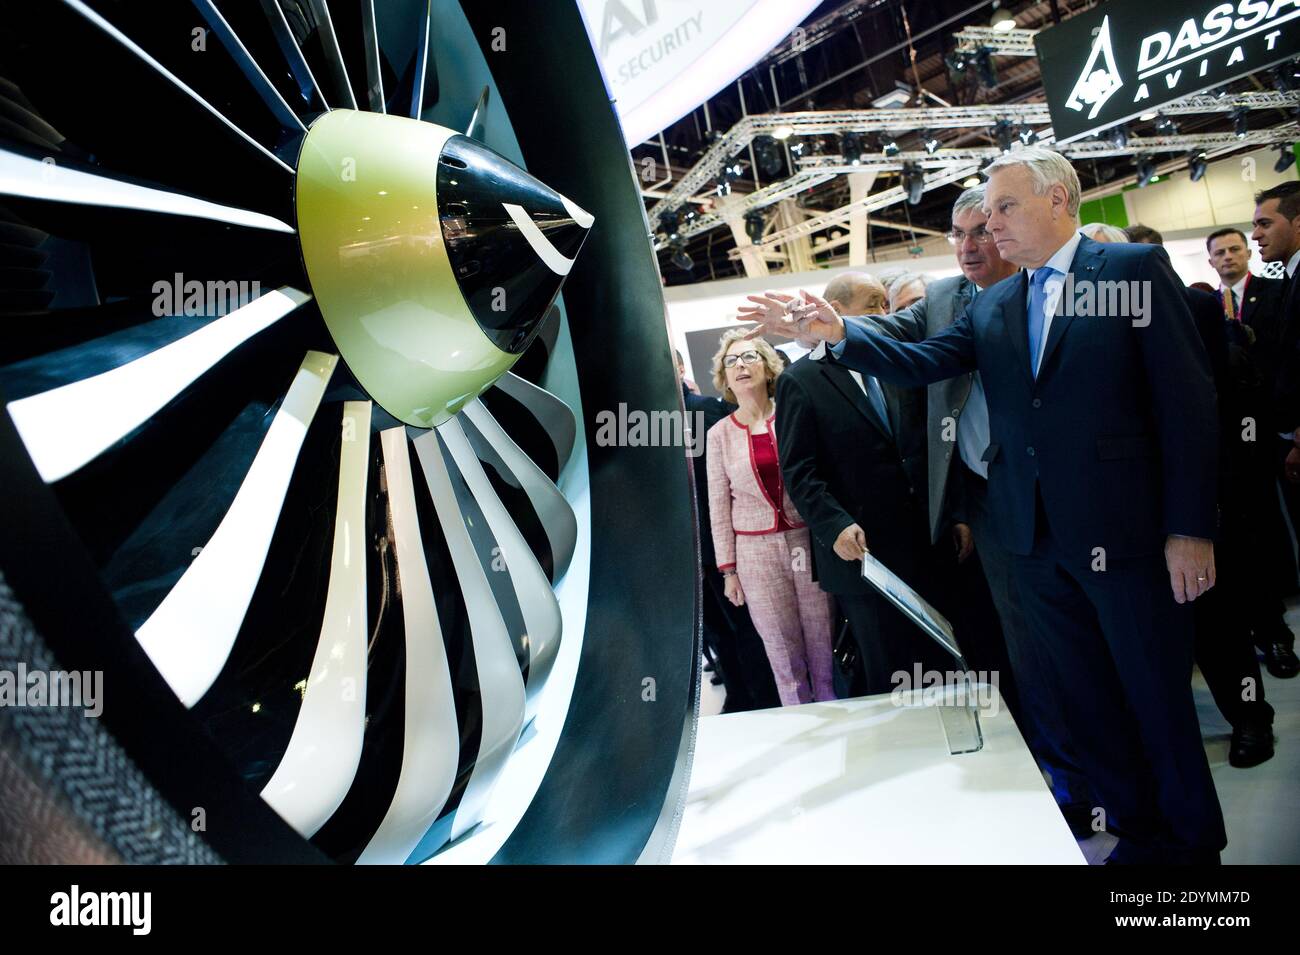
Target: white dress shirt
x,y
1061,261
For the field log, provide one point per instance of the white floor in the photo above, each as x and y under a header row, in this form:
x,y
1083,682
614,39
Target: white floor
x,y
854,782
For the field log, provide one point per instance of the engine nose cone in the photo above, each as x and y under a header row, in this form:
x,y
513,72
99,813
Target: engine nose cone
x,y
432,258
500,224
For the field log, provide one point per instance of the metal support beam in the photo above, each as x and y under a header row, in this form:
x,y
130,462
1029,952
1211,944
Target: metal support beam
x,y
859,187
823,122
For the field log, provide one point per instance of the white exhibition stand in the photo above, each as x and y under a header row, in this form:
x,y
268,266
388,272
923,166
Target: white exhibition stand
x,y
865,781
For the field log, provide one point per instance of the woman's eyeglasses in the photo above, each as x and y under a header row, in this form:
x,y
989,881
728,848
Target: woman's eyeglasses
x,y
747,357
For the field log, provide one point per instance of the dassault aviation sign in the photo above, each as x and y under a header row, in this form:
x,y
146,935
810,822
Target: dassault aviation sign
x,y
1128,57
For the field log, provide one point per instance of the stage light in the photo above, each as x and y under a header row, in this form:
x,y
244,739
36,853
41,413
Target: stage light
x,y
1286,76
783,132
1027,136
1241,121
931,142
852,148
755,223
1117,136
729,173
1166,126
913,182
767,154
971,182
984,68
1146,170
668,224
1285,157
680,257
1004,135
1196,164
797,149
1002,21
889,146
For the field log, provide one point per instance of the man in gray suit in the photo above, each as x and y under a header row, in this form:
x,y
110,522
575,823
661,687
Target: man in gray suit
x,y
957,422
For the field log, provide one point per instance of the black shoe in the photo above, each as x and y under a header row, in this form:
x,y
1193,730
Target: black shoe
x,y
1251,745
1281,660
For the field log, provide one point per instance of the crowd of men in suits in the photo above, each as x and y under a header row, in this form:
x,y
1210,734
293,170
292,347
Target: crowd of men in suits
x,y
1092,499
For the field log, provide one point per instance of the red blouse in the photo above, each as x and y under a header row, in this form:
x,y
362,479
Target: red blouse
x,y
769,472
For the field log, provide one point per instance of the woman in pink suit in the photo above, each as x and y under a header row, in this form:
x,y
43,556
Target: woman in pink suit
x,y
762,545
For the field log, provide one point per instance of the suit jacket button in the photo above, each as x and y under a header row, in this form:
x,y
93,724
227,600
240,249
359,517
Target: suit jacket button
x,y
1029,451
1038,402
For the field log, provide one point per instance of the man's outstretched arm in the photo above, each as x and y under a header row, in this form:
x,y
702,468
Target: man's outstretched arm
x,y
859,345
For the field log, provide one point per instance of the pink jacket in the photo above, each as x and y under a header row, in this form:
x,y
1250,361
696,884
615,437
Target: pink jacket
x,y
738,502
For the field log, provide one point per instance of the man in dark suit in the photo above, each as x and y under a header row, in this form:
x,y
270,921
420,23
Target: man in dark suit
x,y
958,429
1277,232
853,459
737,648
1102,463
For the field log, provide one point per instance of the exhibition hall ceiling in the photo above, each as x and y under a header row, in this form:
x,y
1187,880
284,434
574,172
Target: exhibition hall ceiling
x,y
917,66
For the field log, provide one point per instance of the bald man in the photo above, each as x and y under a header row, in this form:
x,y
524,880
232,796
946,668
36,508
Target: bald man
x,y
860,292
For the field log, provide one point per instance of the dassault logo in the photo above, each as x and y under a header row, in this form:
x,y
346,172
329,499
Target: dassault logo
x,y
1100,77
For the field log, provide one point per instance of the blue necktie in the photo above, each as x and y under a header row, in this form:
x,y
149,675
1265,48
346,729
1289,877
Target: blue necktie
x,y
876,395
1037,312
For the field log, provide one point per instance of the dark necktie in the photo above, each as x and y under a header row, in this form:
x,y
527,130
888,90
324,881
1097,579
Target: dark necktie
x,y
876,395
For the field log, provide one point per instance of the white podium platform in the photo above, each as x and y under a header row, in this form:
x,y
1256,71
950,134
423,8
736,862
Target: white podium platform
x,y
865,781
